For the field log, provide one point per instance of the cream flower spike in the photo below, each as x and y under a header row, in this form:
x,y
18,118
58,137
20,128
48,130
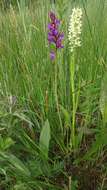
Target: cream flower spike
x,y
75,28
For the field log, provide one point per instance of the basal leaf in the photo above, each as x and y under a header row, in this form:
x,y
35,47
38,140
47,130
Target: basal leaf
x,y
45,138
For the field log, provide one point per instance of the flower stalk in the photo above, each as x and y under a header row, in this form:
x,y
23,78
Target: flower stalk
x,y
55,38
74,38
72,75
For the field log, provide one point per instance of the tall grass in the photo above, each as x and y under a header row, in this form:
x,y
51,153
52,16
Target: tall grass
x,y
35,151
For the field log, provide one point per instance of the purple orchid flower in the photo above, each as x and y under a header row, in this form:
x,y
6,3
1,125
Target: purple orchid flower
x,y
54,36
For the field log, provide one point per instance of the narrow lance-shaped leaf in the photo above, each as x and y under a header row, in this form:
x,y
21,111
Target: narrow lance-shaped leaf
x,y
45,138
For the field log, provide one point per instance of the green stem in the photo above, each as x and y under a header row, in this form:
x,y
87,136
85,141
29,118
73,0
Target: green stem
x,y
72,73
56,96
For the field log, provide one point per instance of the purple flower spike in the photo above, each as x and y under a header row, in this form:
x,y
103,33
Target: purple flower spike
x,y
54,36
52,55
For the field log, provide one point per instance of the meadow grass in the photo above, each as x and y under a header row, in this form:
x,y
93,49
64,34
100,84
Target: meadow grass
x,y
36,107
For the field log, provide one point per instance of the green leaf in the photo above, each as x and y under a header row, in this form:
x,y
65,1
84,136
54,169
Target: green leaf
x,y
23,117
21,186
16,164
29,144
65,114
5,143
97,145
74,185
45,139
103,98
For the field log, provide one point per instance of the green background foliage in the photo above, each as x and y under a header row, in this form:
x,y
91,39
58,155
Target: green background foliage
x,y
34,130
